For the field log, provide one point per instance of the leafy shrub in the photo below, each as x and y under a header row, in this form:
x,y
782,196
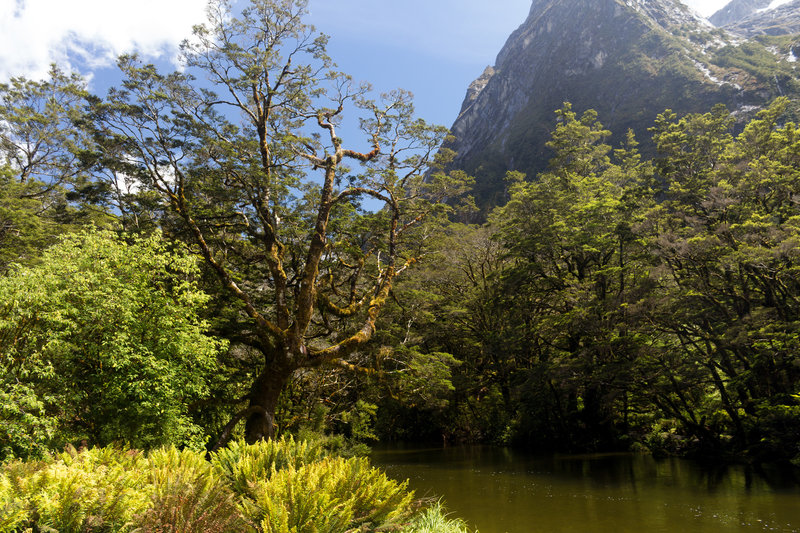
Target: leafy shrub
x,y
12,508
277,486
348,494
188,495
95,490
244,464
102,340
26,428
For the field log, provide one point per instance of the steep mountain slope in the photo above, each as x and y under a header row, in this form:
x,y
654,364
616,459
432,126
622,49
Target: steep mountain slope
x,y
737,10
775,19
628,59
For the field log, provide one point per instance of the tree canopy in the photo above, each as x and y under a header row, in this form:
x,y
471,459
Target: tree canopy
x,y
630,302
613,302
250,170
102,341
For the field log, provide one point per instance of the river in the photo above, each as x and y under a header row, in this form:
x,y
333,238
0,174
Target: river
x,y
496,491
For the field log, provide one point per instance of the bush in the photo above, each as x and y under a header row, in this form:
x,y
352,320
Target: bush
x,y
277,486
243,464
12,508
102,341
95,490
349,494
434,520
188,495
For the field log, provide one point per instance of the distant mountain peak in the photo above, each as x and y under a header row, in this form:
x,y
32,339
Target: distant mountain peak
x,y
628,59
759,17
736,11
667,13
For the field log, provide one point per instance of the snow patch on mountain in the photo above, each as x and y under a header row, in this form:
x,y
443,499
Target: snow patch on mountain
x,y
775,4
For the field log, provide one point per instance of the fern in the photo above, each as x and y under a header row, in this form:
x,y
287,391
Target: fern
x,y
280,486
13,512
244,464
188,495
96,490
333,495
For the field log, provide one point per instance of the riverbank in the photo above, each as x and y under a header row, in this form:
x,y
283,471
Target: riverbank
x,y
268,487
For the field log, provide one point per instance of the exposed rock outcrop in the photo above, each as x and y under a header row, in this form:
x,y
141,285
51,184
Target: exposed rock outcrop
x,y
737,10
628,59
780,19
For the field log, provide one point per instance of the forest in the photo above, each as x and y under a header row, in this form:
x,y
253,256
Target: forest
x,y
198,260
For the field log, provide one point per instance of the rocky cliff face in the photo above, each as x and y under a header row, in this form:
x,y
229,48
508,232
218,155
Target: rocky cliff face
x,y
776,18
737,10
628,59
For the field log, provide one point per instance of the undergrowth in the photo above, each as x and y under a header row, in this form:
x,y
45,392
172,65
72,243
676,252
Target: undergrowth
x,y
278,486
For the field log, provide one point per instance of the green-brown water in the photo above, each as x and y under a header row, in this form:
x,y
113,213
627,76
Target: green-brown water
x,y
498,491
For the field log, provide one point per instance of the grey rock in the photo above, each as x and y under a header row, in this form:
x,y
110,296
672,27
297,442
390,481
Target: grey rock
x,y
736,11
628,59
781,20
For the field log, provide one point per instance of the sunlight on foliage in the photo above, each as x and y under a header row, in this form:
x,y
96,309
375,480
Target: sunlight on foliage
x,y
102,341
278,486
434,520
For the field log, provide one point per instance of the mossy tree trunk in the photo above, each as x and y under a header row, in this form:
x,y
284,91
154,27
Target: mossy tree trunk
x,y
249,196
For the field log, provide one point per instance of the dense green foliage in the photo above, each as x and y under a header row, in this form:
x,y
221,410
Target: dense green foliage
x,y
277,486
613,302
101,341
616,301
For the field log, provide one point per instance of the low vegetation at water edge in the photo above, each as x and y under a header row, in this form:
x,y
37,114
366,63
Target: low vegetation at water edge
x,y
273,486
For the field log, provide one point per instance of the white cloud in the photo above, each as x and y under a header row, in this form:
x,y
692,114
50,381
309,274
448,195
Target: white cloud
x,y
89,33
86,34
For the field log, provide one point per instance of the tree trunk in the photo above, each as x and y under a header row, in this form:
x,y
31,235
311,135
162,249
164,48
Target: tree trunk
x,y
264,394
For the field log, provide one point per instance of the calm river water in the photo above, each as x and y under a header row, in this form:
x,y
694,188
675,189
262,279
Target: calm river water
x,y
497,490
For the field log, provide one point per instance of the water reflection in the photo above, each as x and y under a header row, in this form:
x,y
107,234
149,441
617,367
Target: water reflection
x,y
498,490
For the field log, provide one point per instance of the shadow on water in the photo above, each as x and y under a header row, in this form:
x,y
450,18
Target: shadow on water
x,y
497,490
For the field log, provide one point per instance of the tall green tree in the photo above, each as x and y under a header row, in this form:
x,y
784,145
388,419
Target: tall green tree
x,y
728,289
463,355
574,268
44,186
691,149
254,174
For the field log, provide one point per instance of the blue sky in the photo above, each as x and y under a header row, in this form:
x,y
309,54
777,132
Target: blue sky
x,y
433,48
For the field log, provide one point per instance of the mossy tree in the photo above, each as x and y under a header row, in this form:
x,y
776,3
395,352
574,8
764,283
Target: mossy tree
x,y
254,176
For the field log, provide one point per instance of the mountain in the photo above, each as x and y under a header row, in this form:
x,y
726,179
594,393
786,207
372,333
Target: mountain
x,y
627,59
777,18
737,10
